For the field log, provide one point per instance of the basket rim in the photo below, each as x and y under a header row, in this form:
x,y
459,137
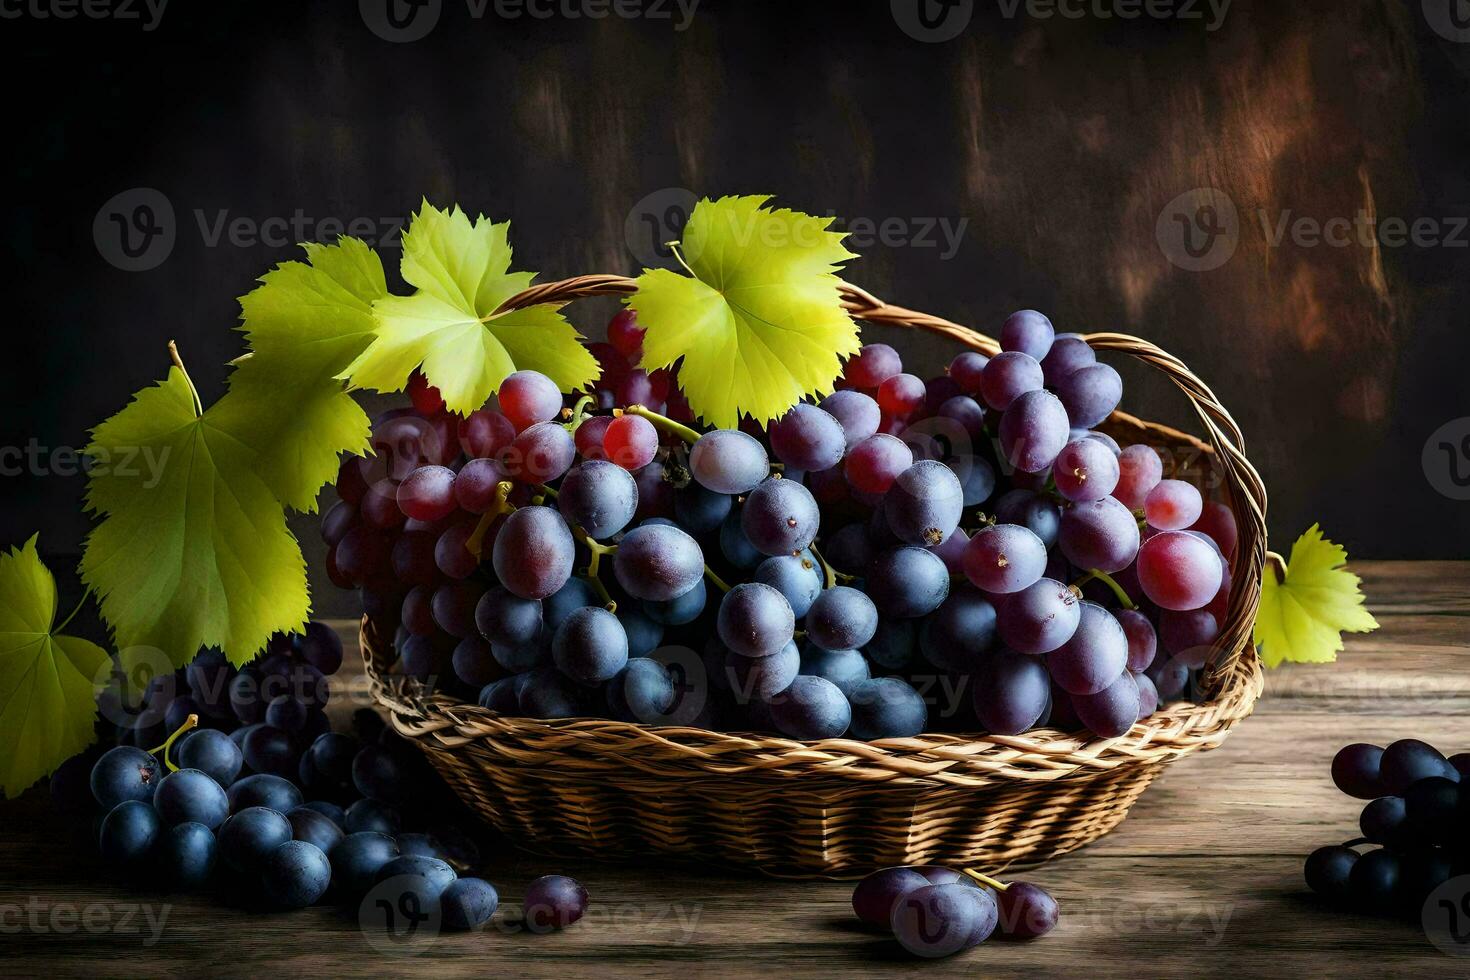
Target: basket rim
x,y
1234,677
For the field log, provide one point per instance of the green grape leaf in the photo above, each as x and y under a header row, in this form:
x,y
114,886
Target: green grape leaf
x,y
48,681
193,548
461,270
1302,618
305,323
760,324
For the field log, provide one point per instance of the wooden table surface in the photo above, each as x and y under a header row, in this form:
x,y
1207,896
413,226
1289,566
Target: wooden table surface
x,y
1203,878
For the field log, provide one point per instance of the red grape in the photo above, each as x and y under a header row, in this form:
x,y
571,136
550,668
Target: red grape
x,y
631,441
1139,471
624,333
485,433
428,493
589,436
1172,505
425,397
967,369
474,486
1178,570
875,463
528,397
872,365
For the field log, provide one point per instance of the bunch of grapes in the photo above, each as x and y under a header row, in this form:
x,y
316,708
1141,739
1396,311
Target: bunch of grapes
x,y
275,704
563,556
352,818
935,912
1418,802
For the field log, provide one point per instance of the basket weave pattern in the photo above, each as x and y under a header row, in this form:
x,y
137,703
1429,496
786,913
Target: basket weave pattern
x,y
616,790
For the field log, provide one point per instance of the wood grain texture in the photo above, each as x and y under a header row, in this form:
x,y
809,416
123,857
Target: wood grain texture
x,y
1203,878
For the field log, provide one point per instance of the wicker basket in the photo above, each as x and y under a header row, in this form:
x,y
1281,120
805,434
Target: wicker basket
x,y
617,791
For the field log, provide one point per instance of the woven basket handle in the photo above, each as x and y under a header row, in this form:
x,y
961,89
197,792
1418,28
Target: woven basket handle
x,y
1243,484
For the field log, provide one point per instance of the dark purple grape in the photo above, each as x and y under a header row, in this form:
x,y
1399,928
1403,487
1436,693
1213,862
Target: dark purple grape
x,y
1011,693
1027,911
874,897
554,902
808,438
534,552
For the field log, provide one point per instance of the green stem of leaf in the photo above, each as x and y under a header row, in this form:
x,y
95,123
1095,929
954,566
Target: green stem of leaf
x,y
985,879
662,422
173,353
1103,577
73,614
674,247
1277,564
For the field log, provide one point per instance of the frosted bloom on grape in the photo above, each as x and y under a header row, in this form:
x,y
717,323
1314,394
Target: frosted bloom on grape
x,y
1139,470
1101,534
1007,377
1090,394
1086,469
1004,558
1177,570
923,505
728,461
1033,430
1172,505
1027,331
1067,354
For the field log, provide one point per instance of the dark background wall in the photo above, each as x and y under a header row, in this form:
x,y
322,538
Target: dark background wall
x,y
1067,157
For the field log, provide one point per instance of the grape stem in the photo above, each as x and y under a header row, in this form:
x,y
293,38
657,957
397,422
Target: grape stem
x,y
189,723
719,582
1103,577
173,353
829,574
661,422
578,413
594,565
475,544
999,886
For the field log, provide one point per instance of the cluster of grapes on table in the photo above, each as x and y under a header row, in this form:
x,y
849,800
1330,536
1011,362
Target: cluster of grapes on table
x,y
935,911
965,554
1418,806
255,798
